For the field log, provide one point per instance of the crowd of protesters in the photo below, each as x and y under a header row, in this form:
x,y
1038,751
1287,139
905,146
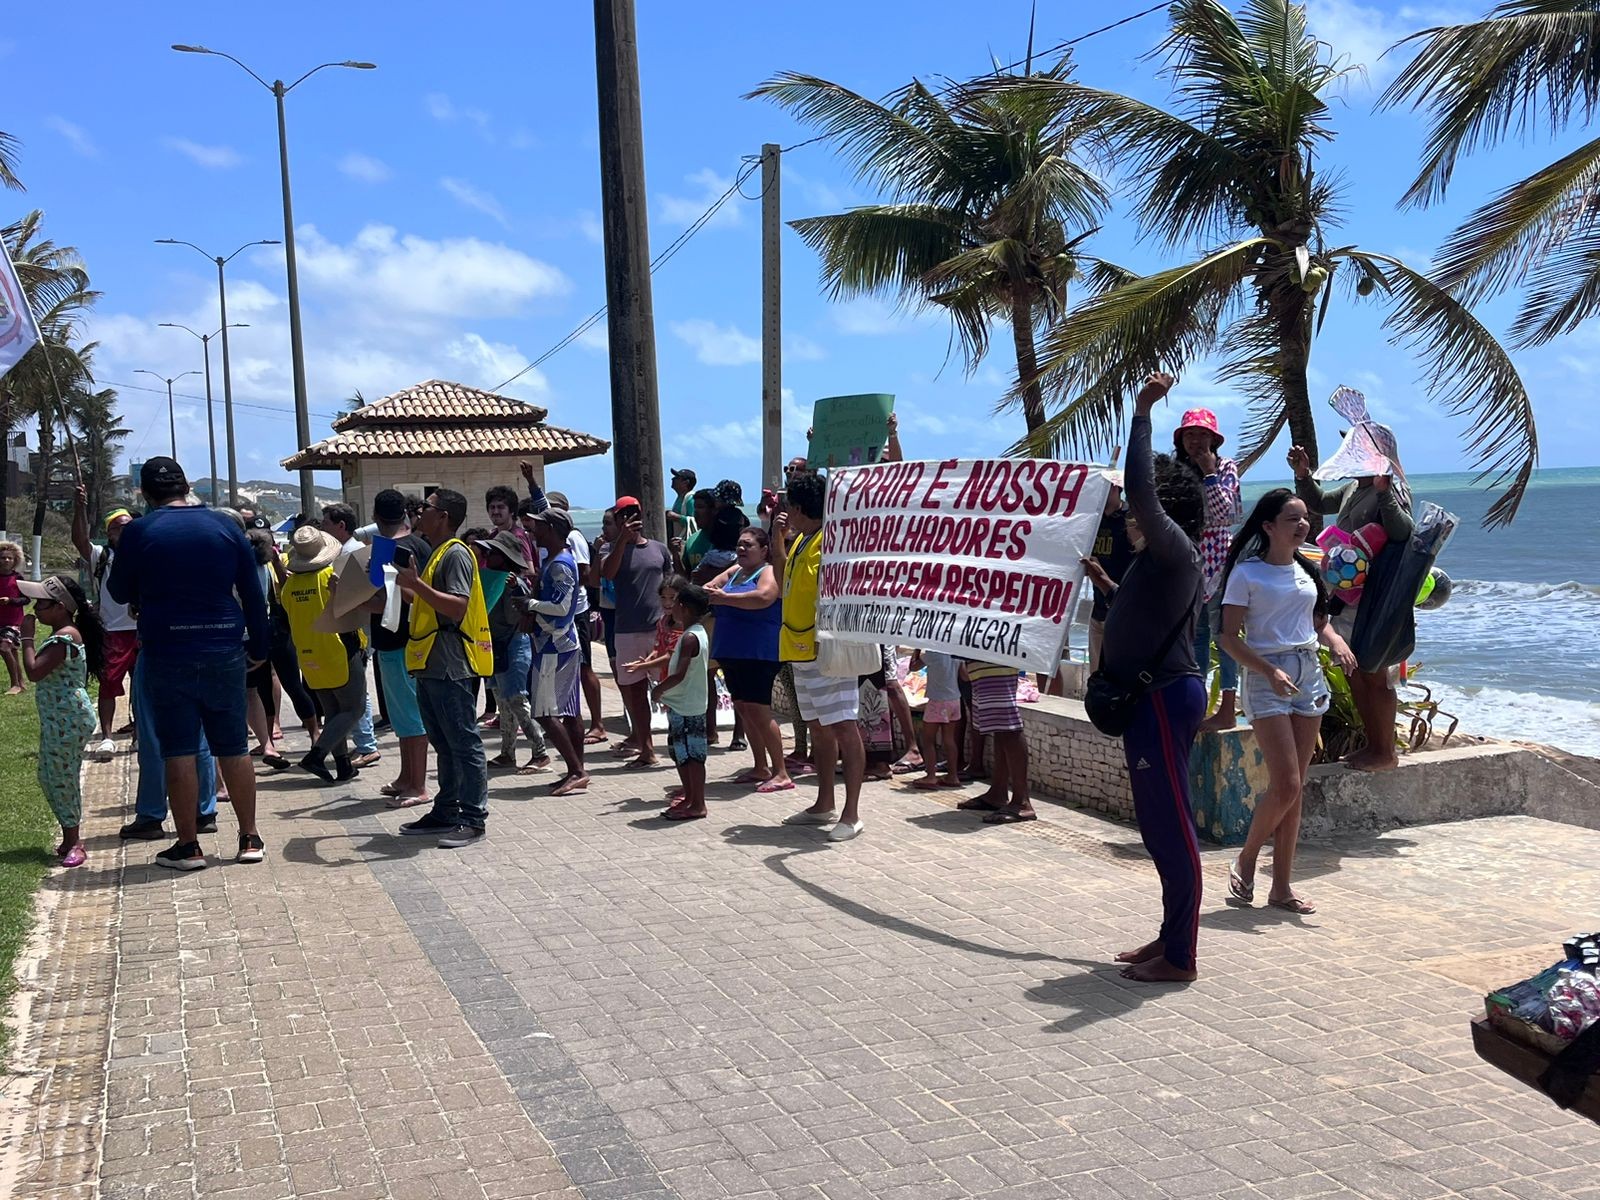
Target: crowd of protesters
x,y
210,627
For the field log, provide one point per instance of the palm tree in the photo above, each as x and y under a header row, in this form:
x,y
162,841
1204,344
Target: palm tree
x,y
1528,63
57,286
986,206
1232,167
100,432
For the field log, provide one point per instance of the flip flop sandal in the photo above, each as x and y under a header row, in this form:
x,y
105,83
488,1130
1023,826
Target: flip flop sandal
x,y
570,787
596,739
1237,887
750,776
926,785
1006,817
906,768
534,768
682,814
951,783
772,785
976,804
1301,908
638,764
276,761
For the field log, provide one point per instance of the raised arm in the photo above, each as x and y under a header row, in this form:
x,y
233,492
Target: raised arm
x,y
1162,535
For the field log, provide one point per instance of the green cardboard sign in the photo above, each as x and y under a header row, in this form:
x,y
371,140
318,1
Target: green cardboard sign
x,y
849,431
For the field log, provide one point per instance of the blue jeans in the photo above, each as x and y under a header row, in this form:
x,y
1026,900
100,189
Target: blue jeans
x,y
150,802
450,715
1208,624
364,740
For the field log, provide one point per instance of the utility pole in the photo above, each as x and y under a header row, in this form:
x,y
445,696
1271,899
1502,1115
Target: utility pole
x,y
635,407
227,391
771,318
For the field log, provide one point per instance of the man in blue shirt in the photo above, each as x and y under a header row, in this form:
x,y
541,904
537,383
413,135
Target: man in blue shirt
x,y
191,575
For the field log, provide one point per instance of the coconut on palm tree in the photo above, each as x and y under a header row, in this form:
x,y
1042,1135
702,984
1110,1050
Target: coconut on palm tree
x,y
1529,63
1233,167
986,204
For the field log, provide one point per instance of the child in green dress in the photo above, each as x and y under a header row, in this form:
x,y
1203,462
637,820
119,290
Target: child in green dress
x,y
60,666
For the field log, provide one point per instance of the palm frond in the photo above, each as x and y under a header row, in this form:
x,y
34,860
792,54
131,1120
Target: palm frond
x,y
1470,374
8,163
1255,368
881,247
881,143
1098,354
1528,63
1532,228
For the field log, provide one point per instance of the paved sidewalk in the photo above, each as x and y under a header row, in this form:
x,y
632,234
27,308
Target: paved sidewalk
x,y
596,1004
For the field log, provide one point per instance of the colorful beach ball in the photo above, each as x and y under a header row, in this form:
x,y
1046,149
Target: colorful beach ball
x,y
1344,568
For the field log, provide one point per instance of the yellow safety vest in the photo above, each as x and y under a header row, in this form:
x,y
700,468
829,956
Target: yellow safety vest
x,y
324,658
797,640
473,630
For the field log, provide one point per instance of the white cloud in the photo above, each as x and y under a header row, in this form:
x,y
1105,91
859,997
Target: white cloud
x,y
497,362
871,317
75,135
730,440
590,228
214,157
416,276
364,168
718,345
799,348
441,108
597,337
1361,33
474,198
687,209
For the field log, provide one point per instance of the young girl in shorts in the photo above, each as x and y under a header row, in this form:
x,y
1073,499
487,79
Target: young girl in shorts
x,y
683,694
61,666
941,719
12,609
1274,613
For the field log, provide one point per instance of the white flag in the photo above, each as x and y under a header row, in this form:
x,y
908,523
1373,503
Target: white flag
x,y
18,332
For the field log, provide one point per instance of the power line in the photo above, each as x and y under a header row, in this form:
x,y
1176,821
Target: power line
x,y
268,408
751,162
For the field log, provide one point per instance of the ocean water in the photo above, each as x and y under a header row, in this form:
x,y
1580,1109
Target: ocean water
x,y
1516,651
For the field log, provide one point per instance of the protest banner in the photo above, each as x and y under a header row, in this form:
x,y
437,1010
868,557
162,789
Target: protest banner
x,y
849,431
975,557
18,331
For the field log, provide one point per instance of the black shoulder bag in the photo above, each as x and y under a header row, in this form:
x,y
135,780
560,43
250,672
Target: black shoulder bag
x,y
1110,703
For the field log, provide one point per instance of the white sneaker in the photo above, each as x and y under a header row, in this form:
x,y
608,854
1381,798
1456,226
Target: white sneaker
x,y
844,831
104,750
806,817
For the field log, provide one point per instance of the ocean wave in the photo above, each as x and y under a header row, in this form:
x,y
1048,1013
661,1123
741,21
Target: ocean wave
x,y
1497,589
1568,724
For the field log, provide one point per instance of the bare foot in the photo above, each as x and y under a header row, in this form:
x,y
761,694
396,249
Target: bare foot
x,y
14,690
1157,970
570,785
1144,953
1218,722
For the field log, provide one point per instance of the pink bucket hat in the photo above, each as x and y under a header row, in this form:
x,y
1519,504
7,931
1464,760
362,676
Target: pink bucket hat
x,y
1198,418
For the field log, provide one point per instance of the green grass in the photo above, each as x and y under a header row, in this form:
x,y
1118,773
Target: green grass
x,y
28,834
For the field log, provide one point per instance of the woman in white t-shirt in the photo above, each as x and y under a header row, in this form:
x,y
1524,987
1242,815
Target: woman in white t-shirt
x,y
1274,615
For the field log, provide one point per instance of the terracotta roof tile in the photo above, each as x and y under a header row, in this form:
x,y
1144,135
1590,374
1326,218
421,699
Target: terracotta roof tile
x,y
439,400
547,441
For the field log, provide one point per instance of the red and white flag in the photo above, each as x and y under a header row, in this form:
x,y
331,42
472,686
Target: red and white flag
x,y
19,333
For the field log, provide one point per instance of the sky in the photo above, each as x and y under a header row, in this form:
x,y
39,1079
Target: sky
x,y
447,216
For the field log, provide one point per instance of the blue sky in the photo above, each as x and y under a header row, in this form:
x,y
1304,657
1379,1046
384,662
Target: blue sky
x,y
447,210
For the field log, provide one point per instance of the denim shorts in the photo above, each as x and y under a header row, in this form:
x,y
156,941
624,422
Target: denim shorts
x,y
191,694
1303,667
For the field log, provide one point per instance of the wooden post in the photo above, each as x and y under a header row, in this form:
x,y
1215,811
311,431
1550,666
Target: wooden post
x,y
635,412
771,318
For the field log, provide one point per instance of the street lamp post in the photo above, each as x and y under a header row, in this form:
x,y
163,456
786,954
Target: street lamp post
x,y
211,425
302,414
172,421
227,374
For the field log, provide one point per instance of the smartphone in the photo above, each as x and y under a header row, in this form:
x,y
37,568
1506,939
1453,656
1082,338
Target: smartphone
x,y
624,515
402,556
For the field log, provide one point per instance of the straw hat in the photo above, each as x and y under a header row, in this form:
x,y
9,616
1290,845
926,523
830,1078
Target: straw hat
x,y
310,550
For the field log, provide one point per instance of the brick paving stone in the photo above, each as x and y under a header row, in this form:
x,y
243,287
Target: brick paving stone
x,y
595,1004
